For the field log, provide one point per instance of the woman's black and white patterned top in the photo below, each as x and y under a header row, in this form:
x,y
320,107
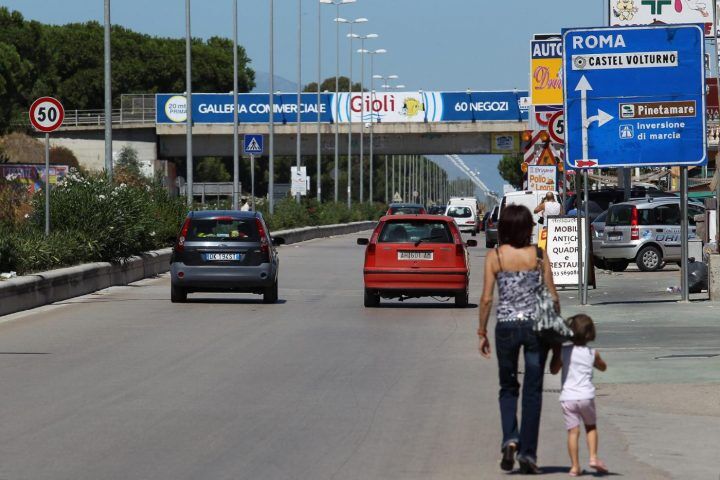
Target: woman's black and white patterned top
x,y
517,298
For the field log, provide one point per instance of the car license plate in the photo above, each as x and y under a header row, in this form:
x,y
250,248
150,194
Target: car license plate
x,y
614,238
222,257
423,255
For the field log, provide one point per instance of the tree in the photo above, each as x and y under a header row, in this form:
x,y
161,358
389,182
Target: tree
x,y
510,171
328,85
128,161
212,169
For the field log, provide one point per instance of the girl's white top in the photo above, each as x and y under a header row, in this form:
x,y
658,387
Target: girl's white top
x,y
551,209
577,373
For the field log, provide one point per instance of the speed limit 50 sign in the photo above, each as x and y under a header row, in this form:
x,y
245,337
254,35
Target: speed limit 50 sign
x,y
556,127
46,114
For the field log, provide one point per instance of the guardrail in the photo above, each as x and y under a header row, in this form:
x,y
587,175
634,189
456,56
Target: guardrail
x,y
31,291
81,118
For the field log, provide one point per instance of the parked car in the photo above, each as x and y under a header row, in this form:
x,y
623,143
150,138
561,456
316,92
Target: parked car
x,y
491,231
405,209
436,210
600,200
464,216
646,232
224,251
411,256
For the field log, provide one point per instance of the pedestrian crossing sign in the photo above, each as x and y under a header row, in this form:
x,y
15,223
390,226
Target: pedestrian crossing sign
x,y
253,144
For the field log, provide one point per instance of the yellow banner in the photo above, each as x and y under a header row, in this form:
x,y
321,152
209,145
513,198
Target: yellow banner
x,y
546,81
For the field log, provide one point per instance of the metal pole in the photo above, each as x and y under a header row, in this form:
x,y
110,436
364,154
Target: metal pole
x,y
319,79
337,101
387,199
586,235
299,91
252,181
188,123
108,96
271,143
47,184
236,148
716,59
362,116
392,162
684,232
349,149
372,120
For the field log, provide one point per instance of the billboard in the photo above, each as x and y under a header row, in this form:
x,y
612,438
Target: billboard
x,y
627,13
32,175
389,107
542,177
546,72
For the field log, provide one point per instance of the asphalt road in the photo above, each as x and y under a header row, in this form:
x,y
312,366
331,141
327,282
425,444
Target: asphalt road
x,y
122,384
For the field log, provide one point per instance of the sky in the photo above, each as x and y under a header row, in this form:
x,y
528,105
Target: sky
x,y
431,44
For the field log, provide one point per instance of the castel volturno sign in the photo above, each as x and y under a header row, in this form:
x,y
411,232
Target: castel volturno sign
x,y
634,96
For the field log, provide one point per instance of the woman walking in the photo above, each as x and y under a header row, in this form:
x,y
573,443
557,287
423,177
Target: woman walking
x,y
516,266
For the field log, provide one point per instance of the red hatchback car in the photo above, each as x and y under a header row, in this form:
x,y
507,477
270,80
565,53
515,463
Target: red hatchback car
x,y
410,256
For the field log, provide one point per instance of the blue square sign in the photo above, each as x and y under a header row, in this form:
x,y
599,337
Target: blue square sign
x,y
253,144
634,96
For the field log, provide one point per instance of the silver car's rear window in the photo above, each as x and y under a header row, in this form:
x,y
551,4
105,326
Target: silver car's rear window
x,y
223,229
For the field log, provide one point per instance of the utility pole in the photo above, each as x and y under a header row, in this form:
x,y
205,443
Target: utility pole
x,y
188,123
108,97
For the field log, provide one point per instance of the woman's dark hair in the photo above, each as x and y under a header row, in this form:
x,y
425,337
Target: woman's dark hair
x,y
516,226
583,329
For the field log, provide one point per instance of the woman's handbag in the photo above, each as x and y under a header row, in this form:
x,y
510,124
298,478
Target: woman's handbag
x,y
547,322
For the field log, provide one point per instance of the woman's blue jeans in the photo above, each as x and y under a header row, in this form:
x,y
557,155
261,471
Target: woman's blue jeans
x,y
509,339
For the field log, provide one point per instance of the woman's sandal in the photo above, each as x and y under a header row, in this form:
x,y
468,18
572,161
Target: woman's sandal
x,y
599,466
573,473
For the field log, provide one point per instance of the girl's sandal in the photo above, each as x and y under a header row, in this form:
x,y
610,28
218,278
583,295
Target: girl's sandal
x,y
599,466
573,473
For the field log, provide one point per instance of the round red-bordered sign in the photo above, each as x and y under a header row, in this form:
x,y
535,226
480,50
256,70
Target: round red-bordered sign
x,y
556,127
46,114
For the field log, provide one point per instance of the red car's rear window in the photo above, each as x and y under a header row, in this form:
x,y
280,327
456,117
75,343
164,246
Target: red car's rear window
x,y
411,231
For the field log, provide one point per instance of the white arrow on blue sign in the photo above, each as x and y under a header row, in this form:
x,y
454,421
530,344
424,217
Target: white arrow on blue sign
x,y
253,144
634,96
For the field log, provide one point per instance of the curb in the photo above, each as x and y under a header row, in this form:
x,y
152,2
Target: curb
x,y
31,291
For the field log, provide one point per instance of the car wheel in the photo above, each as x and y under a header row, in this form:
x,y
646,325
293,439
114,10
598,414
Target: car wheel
x,y
372,299
270,295
649,259
178,294
600,263
462,298
618,265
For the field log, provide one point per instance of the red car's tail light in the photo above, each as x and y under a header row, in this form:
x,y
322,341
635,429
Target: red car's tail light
x,y
180,245
264,246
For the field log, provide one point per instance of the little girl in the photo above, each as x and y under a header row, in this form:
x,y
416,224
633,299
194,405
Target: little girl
x,y
577,397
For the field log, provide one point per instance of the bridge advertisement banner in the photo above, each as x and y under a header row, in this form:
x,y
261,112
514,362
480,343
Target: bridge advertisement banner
x,y
390,107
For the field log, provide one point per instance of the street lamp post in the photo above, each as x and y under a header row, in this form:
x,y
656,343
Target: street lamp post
x,y
298,145
337,87
351,36
236,148
108,97
362,52
372,54
271,145
188,108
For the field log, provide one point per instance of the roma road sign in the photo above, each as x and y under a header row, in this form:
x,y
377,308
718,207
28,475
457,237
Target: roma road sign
x,y
634,96
253,144
46,114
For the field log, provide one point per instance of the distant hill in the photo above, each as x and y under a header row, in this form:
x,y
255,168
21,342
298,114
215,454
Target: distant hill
x,y
262,83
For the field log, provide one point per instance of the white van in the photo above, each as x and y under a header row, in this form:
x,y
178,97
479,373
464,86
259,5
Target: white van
x,y
465,212
531,199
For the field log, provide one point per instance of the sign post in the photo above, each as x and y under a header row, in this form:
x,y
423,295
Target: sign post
x,y
635,97
46,115
252,145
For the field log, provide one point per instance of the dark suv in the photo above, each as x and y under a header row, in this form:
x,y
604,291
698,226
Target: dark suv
x,y
221,251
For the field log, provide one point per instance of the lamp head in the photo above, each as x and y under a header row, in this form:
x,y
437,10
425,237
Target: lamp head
x,y
393,77
360,20
372,35
340,20
380,50
378,77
